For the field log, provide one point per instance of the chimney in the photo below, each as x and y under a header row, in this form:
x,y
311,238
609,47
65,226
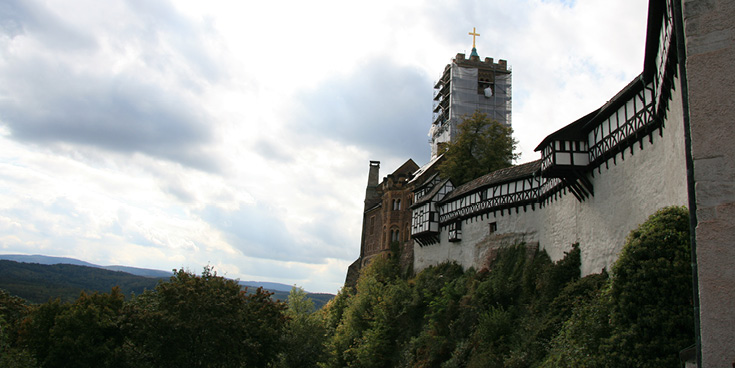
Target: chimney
x,y
371,193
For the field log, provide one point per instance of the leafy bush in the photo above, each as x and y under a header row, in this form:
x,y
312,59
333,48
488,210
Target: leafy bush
x,y
643,315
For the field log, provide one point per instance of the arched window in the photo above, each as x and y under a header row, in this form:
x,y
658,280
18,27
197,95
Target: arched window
x,y
395,235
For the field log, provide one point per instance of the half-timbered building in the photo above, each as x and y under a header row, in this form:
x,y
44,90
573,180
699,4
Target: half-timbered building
x,y
665,139
597,179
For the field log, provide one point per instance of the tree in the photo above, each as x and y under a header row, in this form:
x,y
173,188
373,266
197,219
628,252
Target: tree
x,y
12,311
35,331
482,146
203,321
85,333
305,333
643,316
652,292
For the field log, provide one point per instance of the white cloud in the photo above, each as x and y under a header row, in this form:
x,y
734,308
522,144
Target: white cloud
x,y
178,134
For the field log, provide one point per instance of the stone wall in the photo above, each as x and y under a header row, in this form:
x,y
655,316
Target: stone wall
x,y
710,50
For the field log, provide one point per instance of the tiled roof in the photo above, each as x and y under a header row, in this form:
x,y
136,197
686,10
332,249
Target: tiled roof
x,y
495,177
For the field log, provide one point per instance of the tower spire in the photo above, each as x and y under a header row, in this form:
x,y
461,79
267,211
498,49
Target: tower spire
x,y
473,34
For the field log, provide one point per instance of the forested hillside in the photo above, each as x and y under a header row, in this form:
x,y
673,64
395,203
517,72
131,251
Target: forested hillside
x,y
524,311
38,283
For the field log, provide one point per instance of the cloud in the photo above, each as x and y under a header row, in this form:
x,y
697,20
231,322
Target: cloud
x,y
258,231
131,87
381,107
270,150
159,134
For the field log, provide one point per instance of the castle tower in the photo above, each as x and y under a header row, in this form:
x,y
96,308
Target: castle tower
x,y
467,85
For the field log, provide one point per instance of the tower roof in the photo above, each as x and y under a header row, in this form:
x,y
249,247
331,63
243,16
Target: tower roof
x,y
474,53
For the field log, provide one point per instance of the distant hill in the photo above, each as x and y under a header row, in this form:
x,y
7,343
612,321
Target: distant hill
x,y
38,278
46,260
272,286
38,283
145,272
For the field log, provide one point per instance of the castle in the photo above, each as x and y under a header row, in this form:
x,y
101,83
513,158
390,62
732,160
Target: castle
x,y
664,139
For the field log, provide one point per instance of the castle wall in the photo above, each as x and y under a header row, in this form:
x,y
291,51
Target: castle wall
x,y
627,190
710,49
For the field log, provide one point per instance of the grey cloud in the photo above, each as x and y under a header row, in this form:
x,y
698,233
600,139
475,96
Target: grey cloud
x,y
34,20
156,21
119,114
47,98
381,107
271,151
258,232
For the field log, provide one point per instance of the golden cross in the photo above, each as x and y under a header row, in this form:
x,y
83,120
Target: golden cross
x,y
473,34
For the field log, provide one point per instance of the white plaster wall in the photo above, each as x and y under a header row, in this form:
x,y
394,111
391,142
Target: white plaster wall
x,y
477,241
629,192
626,194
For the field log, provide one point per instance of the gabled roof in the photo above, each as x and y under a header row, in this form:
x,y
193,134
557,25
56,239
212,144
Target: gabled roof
x,y
428,196
496,177
408,167
427,181
424,169
571,132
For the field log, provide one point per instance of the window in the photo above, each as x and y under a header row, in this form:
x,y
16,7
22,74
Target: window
x,y
395,235
493,227
455,231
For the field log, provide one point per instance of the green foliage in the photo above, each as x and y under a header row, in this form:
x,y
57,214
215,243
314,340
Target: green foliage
x,y
482,146
643,315
39,283
369,322
303,339
581,339
12,311
85,333
203,321
453,318
92,320
35,333
651,292
192,321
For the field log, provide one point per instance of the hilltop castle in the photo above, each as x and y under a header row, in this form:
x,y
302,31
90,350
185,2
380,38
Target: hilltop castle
x,y
665,139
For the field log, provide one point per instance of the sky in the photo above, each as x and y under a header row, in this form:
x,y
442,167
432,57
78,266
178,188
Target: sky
x,y
179,134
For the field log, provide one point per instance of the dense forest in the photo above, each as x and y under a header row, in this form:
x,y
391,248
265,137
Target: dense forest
x,y
524,311
38,283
